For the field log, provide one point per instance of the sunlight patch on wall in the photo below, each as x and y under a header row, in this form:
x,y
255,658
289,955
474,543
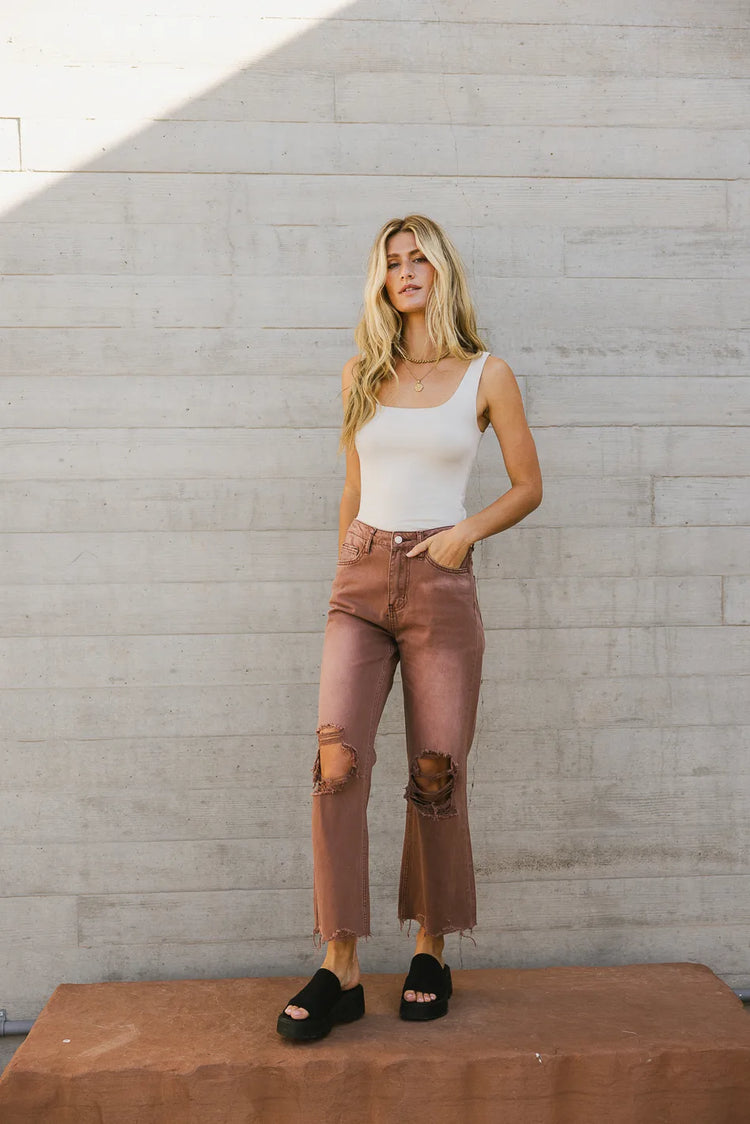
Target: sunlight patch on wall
x,y
76,80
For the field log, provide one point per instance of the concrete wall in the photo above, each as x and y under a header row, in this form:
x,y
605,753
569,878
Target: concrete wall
x,y
186,208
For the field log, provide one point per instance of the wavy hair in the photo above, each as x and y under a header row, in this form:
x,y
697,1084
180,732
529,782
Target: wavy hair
x,y
449,318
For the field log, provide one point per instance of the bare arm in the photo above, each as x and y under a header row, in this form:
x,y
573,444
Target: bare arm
x,y
506,414
508,419
350,498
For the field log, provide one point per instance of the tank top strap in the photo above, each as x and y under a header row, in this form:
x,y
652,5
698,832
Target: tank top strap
x,y
470,382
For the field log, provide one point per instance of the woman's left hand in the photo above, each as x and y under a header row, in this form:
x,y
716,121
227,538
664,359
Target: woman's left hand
x,y
448,548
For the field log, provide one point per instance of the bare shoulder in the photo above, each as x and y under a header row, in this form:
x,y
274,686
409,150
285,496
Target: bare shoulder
x,y
498,390
497,372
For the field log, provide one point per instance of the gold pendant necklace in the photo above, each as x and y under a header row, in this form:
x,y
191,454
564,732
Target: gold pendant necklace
x,y
418,384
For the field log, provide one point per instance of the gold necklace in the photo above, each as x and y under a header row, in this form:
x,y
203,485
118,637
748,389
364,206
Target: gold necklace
x,y
418,384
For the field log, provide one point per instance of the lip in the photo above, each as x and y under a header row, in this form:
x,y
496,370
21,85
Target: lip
x,y
410,288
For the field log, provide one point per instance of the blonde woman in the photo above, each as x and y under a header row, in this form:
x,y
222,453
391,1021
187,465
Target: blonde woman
x,y
416,401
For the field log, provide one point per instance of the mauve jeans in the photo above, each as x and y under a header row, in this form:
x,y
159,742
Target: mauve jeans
x,y
385,607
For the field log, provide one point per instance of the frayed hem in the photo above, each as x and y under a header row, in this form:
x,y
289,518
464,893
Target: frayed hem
x,y
462,931
338,934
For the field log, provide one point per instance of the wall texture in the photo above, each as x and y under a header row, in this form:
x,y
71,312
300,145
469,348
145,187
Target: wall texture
x,y
183,243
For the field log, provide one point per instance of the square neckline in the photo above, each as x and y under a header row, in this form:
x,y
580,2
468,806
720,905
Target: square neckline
x,y
440,404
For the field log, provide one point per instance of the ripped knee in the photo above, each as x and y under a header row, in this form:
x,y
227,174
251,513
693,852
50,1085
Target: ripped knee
x,y
431,784
335,762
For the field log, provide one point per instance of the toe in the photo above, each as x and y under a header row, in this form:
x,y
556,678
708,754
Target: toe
x,y
296,1012
409,996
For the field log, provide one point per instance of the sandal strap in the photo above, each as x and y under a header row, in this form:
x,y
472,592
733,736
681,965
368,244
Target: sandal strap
x,y
425,974
319,995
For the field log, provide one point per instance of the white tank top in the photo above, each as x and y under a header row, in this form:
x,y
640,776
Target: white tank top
x,y
415,462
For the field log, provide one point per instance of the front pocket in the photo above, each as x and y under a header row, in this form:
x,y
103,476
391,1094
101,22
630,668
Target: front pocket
x,y
351,551
462,569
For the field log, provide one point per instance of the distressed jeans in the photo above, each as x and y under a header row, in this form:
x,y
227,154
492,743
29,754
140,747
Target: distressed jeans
x,y
385,608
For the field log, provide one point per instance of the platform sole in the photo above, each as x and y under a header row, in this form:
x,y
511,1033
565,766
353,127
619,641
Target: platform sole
x,y
349,1007
423,1012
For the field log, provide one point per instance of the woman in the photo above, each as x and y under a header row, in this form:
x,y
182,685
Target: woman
x,y
404,590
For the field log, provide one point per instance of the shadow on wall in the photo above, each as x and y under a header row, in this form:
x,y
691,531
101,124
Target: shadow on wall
x,y
178,311
229,237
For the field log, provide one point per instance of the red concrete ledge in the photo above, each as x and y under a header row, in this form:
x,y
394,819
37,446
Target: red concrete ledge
x,y
636,1044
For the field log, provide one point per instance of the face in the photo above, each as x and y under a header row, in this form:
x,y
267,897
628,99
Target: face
x,y
409,274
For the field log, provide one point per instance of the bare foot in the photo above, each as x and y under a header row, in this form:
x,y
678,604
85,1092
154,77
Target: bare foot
x,y
434,946
341,959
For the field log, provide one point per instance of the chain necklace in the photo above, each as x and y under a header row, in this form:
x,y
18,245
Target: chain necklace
x,y
407,359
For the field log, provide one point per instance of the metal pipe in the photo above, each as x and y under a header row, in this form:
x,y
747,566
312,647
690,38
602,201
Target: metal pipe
x,y
19,1027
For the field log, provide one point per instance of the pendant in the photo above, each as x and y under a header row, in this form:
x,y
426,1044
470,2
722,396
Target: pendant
x,y
418,385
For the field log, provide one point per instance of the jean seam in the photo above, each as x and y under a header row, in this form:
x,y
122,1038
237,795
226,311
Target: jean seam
x,y
470,866
364,874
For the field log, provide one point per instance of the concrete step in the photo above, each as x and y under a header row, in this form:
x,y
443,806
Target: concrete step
x,y
631,1044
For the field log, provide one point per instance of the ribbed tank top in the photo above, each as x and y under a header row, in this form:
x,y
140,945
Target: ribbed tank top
x,y
415,462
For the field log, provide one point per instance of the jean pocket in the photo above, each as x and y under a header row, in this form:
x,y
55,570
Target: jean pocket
x,y
464,568
351,550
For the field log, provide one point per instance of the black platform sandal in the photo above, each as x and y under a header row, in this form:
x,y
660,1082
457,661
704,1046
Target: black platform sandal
x,y
326,1004
426,975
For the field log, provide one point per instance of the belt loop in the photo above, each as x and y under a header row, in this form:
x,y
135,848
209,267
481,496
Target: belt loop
x,y
370,537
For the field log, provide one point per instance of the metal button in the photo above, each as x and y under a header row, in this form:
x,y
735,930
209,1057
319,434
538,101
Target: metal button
x,y
398,538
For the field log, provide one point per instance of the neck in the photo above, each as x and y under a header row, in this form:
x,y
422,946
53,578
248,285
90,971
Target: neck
x,y
416,342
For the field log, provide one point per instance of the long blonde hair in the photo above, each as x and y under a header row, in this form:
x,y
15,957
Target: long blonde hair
x,y
449,317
